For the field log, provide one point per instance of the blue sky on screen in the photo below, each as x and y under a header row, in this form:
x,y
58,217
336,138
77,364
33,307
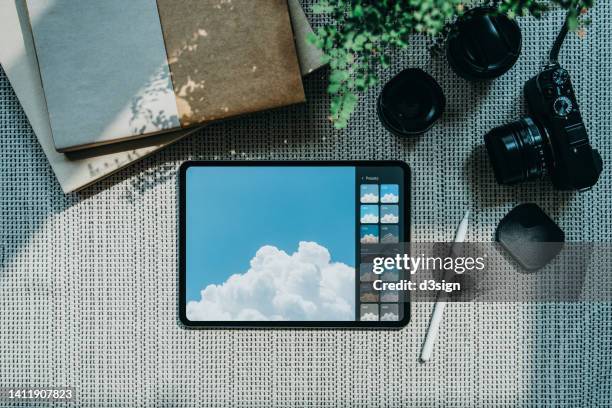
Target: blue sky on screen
x,y
369,214
369,234
232,212
389,214
368,193
389,193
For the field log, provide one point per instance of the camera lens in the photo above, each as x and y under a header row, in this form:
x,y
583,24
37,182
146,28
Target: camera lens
x,y
516,151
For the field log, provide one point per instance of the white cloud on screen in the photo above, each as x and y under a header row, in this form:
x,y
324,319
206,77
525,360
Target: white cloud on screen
x,y
389,317
369,317
369,219
305,285
389,198
389,219
369,198
369,239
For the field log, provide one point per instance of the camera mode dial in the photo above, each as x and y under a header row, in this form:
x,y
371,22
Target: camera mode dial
x,y
560,76
563,106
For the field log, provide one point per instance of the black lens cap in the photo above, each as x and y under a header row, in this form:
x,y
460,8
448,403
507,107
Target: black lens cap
x,y
483,44
530,236
410,103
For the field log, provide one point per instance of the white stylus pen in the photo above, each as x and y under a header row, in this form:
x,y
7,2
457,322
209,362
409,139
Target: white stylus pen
x,y
438,311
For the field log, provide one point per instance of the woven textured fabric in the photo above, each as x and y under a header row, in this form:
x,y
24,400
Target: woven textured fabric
x,y
88,282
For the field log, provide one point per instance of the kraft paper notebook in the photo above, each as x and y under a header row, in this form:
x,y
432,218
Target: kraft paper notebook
x,y
116,70
18,59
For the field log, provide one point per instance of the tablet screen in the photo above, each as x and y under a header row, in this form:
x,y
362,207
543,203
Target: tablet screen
x,y
285,244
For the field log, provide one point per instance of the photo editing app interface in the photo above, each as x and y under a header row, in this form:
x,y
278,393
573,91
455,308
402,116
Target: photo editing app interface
x,y
290,243
382,201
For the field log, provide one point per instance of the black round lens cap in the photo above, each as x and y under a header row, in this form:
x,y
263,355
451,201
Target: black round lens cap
x,y
483,44
410,103
530,236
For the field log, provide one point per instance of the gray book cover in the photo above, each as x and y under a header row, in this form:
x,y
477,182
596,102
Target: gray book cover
x,y
103,69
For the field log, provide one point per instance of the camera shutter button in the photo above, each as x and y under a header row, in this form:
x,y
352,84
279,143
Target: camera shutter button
x,y
563,106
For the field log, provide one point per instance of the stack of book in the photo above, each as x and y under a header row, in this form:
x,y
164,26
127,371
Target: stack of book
x,y
105,83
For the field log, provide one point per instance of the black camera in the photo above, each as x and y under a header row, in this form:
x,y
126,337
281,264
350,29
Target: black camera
x,y
551,140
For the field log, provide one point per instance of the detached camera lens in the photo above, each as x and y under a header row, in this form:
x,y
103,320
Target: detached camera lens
x,y
516,151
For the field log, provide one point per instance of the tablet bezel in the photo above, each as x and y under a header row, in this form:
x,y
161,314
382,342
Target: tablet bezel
x,y
283,324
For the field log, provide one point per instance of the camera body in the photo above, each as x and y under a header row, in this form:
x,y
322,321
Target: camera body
x,y
572,162
552,140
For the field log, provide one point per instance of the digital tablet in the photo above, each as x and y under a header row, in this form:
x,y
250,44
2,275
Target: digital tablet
x,y
290,244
